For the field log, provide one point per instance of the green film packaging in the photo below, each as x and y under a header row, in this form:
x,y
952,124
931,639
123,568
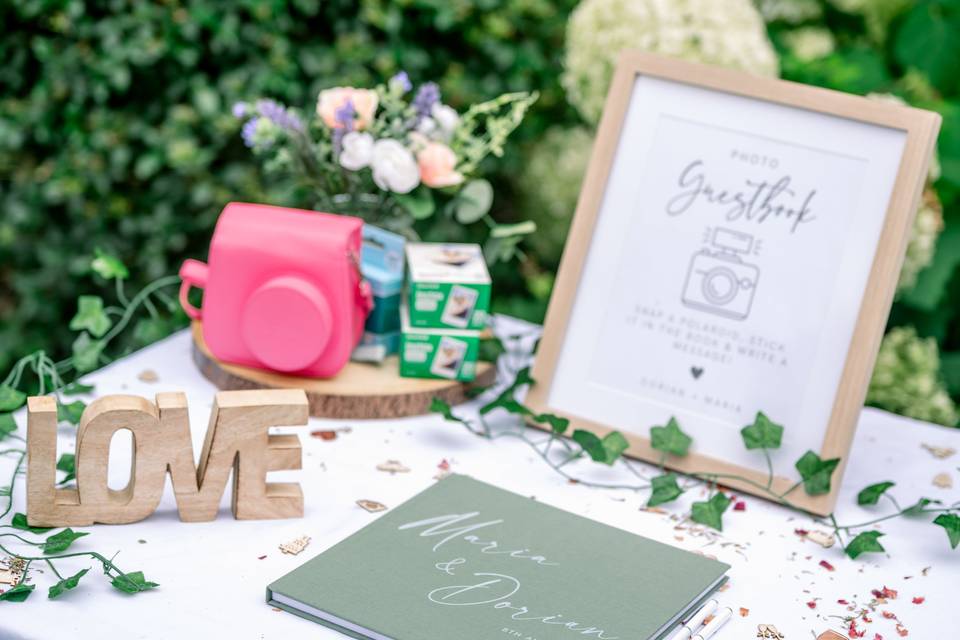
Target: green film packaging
x,y
437,353
449,286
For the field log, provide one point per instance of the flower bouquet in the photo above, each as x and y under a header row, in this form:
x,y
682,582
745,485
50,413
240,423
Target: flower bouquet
x,y
398,158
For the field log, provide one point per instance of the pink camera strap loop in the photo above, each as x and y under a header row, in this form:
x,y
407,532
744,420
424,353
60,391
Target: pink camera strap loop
x,y
193,273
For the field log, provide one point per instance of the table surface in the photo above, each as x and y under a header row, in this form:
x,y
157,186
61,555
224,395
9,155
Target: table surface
x,y
213,575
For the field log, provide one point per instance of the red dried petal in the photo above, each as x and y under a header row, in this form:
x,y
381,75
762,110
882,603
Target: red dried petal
x,y
842,601
918,600
826,565
325,434
889,615
801,532
812,604
740,506
444,465
902,630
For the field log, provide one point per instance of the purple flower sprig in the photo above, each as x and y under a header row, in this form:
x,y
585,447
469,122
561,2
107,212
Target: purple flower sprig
x,y
402,81
427,95
270,110
345,116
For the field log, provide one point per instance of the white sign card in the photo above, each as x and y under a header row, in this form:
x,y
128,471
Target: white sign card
x,y
734,239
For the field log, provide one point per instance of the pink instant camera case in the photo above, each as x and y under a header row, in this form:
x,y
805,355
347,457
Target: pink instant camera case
x,y
283,289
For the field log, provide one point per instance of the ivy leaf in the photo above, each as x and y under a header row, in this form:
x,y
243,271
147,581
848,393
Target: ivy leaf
x,y
917,508
816,473
557,424
438,405
108,266
19,593
65,585
20,522
665,489
11,399
871,494
68,464
76,389
473,201
71,412
507,395
710,513
133,583
86,353
61,541
670,439
762,434
866,542
7,425
90,316
951,524
605,450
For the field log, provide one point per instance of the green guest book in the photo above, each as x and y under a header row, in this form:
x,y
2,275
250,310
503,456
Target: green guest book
x,y
464,560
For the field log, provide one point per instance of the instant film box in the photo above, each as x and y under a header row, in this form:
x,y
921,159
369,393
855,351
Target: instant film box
x,y
437,353
449,286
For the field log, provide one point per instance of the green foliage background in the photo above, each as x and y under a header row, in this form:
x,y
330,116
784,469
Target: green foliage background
x,y
115,125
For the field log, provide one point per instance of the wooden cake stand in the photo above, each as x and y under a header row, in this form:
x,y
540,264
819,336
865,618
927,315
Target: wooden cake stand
x,y
360,391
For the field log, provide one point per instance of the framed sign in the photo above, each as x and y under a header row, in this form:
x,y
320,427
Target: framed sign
x,y
735,249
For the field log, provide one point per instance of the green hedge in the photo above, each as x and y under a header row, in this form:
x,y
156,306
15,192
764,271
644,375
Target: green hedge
x,y
115,125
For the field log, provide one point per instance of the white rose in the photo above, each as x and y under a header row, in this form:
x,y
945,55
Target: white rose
x,y
356,150
427,126
446,119
394,167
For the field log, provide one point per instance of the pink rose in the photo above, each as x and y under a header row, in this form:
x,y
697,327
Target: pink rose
x,y
438,165
364,102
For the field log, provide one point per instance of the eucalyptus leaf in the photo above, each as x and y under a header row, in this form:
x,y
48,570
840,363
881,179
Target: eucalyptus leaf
x,y
419,203
474,201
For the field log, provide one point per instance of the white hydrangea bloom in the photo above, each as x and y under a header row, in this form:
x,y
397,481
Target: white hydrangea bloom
x,y
550,185
906,379
789,11
810,43
923,239
733,35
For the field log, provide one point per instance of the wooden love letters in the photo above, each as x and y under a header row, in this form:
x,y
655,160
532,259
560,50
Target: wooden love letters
x,y
237,439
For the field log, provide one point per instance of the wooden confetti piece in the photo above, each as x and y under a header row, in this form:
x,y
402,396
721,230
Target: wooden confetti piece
x,y
393,466
148,375
939,452
372,505
821,538
296,545
831,635
943,480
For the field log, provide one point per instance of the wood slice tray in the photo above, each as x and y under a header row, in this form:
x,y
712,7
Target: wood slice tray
x,y
360,391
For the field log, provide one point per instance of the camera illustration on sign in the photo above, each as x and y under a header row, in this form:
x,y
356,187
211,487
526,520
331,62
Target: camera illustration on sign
x,y
718,280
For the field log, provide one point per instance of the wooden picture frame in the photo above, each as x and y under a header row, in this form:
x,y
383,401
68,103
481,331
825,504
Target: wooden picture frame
x,y
747,101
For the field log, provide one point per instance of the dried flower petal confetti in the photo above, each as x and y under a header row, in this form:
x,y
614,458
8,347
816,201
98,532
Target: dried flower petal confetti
x,y
324,434
148,375
943,481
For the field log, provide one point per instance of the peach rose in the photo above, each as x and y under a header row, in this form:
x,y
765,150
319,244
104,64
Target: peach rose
x,y
438,165
364,103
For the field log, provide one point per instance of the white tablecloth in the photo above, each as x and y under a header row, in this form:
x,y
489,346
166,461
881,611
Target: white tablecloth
x,y
213,575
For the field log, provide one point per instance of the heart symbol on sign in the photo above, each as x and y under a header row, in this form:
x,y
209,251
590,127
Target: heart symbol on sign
x,y
696,372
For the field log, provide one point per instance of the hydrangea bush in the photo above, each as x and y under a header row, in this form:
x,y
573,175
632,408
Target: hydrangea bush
x,y
696,30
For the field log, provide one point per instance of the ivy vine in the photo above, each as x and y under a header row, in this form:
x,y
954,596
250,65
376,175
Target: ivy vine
x,y
561,447
97,325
